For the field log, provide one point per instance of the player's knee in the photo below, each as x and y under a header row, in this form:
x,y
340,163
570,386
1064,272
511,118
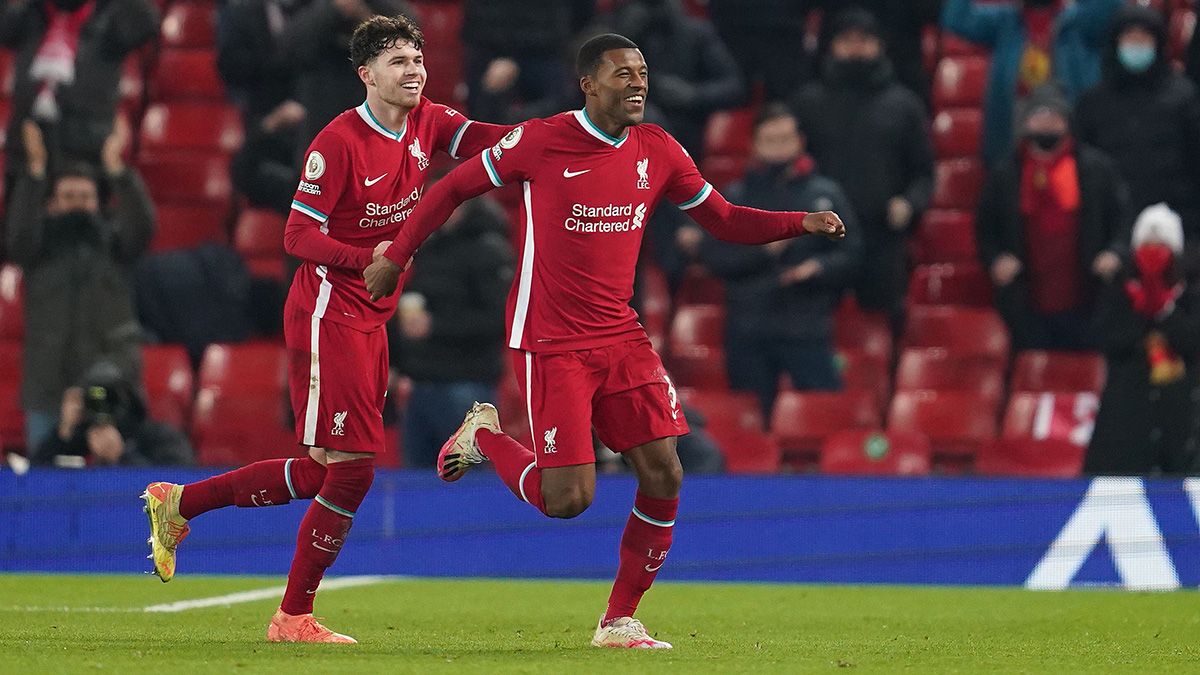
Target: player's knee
x,y
568,502
661,478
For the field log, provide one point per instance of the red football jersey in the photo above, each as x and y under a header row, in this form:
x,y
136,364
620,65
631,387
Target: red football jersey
x,y
587,198
361,181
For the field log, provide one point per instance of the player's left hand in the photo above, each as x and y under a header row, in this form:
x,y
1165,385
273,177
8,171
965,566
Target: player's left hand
x,y
380,249
825,223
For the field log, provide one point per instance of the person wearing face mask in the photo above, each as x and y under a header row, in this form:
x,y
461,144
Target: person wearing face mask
x,y
1033,42
1147,118
1149,324
77,262
871,135
1050,225
67,68
780,297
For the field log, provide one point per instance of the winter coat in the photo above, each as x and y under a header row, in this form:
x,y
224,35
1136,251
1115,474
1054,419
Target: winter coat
x,y
78,292
1149,124
87,106
1142,427
873,140
1079,34
756,305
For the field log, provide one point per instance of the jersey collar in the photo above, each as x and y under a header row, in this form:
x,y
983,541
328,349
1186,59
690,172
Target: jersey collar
x,y
589,126
364,111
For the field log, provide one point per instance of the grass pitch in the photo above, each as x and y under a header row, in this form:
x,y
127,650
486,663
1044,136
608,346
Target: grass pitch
x,y
74,624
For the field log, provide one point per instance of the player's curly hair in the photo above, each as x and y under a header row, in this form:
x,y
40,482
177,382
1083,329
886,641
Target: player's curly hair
x,y
379,34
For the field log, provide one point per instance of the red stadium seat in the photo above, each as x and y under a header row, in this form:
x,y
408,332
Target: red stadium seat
x,y
199,180
945,236
698,287
859,331
963,331
5,111
862,371
957,132
1058,371
188,74
12,417
246,368
956,422
698,366
167,376
959,82
802,420
12,299
876,453
962,283
259,233
190,25
957,183
187,226
441,22
1181,27
191,126
734,420
730,132
654,304
723,170
698,325
935,368
8,75
241,412
953,45
1024,457
1064,416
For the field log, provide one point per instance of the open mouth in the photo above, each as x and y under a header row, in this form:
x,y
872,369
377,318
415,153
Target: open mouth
x,y
636,100
413,87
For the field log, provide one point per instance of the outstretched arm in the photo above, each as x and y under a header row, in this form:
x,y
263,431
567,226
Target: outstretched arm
x,y
745,225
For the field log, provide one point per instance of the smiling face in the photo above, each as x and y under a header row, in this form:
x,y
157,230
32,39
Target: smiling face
x,y
397,75
619,86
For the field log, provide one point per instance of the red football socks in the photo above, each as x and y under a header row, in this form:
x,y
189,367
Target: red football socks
x,y
266,483
324,528
515,465
644,548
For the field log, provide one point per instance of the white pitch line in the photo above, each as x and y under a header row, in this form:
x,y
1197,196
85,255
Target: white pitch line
x,y
260,594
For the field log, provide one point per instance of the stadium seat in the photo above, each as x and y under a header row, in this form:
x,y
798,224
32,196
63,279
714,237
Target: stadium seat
x,y
1028,458
189,25
441,22
734,420
699,367
244,368
730,132
1065,416
1181,26
959,82
1036,370
953,45
935,368
723,170
12,299
167,376
132,86
957,183
945,236
234,431
201,180
698,287
12,417
187,74
802,420
5,111
654,304
957,132
187,226
962,283
876,453
862,371
963,331
8,76
956,422
698,325
859,331
191,126
259,233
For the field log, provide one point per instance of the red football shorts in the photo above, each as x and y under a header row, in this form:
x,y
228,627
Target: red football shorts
x,y
622,390
338,379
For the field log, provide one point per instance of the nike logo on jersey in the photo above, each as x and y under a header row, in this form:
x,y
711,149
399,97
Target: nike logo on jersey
x,y
653,569
371,181
567,173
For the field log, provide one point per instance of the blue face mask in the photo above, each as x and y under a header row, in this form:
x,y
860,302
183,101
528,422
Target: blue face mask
x,y
1137,59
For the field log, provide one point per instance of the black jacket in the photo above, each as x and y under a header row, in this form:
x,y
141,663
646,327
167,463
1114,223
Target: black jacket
x,y
756,304
1142,427
250,60
1104,222
523,27
1149,124
464,272
873,139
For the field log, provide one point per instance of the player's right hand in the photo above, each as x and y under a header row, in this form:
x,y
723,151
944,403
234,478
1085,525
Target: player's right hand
x,y
825,223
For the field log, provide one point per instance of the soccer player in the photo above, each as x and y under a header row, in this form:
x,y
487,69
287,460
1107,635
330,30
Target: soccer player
x,y
590,180
363,175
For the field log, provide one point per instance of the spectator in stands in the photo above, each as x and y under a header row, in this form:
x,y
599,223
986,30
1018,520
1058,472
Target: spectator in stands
x,y
694,72
103,422
1147,118
67,69
1055,201
766,38
871,135
517,57
262,83
1033,42
77,263
316,42
449,331
780,297
1149,324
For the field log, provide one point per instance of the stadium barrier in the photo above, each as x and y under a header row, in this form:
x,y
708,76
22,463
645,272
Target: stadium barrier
x,y
1048,534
